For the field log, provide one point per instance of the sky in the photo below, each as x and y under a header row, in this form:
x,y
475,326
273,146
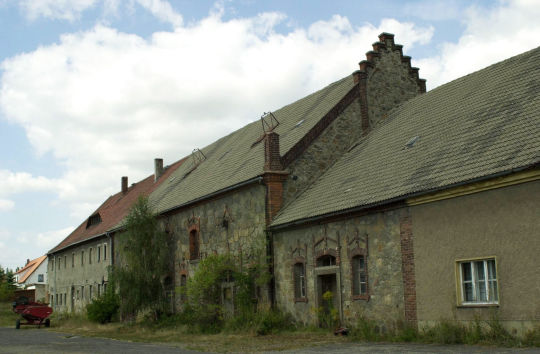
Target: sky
x,y
92,90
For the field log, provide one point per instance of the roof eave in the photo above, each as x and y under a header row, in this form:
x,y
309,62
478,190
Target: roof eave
x,y
365,207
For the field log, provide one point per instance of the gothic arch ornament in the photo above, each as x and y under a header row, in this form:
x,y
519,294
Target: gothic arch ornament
x,y
325,246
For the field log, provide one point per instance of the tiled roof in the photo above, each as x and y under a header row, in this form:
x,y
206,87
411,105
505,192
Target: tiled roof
x,y
234,159
480,125
115,208
29,268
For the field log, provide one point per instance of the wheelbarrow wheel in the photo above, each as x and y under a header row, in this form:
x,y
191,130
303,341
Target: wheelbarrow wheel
x,y
17,324
47,323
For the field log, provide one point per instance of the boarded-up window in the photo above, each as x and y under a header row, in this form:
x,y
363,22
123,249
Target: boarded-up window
x,y
299,281
359,275
193,245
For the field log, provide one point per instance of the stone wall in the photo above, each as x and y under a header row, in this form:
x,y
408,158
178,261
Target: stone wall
x,y
323,152
73,280
390,78
233,223
378,234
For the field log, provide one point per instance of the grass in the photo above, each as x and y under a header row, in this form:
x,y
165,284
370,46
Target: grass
x,y
174,333
180,336
7,316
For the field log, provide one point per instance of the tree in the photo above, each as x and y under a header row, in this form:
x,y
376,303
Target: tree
x,y
7,284
145,262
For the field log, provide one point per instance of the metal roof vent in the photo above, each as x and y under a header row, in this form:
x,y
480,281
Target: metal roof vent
x,y
412,141
299,123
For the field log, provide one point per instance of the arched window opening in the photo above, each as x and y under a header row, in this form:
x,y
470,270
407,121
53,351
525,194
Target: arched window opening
x,y
299,281
325,261
193,245
183,288
359,275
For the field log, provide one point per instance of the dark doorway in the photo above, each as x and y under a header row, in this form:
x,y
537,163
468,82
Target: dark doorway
x,y
327,282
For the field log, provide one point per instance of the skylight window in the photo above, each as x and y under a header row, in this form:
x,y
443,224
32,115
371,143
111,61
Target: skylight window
x,y
299,123
412,141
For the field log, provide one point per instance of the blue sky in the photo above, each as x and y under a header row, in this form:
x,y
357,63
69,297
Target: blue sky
x,y
92,90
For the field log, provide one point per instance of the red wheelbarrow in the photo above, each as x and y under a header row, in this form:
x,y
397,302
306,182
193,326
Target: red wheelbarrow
x,y
33,312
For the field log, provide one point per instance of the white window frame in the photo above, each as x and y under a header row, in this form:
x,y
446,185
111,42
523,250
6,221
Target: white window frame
x,y
460,282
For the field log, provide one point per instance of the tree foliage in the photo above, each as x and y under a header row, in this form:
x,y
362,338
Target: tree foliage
x,y
7,284
104,308
205,291
144,262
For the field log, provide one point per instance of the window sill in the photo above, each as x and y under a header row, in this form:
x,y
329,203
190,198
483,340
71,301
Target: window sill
x,y
360,297
464,306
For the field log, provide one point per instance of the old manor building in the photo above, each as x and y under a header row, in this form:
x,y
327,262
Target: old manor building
x,y
405,204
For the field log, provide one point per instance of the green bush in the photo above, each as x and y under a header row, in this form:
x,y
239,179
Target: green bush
x,y
104,308
532,337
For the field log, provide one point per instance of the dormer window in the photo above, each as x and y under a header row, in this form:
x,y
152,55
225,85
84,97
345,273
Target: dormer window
x,y
93,220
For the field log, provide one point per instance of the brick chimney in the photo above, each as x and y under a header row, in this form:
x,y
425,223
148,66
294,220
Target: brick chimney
x,y
158,169
124,184
273,176
272,158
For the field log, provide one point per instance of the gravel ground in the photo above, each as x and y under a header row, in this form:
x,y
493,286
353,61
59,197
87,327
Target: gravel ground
x,y
43,341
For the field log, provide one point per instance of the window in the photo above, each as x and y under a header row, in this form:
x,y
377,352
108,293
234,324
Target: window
x,y
72,260
56,298
52,299
40,278
299,281
77,294
65,299
359,276
98,290
59,259
82,258
325,261
90,292
82,292
183,291
99,254
104,288
93,220
478,282
105,252
90,256
52,263
65,262
193,245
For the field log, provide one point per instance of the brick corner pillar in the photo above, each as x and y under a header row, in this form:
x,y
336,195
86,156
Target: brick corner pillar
x,y
407,268
273,176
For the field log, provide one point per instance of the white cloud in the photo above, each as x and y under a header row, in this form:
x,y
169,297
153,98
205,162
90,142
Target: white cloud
x,y
162,10
14,183
6,205
48,240
71,10
55,9
106,103
491,35
15,247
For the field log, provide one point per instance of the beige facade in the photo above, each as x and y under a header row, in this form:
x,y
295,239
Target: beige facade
x,y
500,224
78,274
